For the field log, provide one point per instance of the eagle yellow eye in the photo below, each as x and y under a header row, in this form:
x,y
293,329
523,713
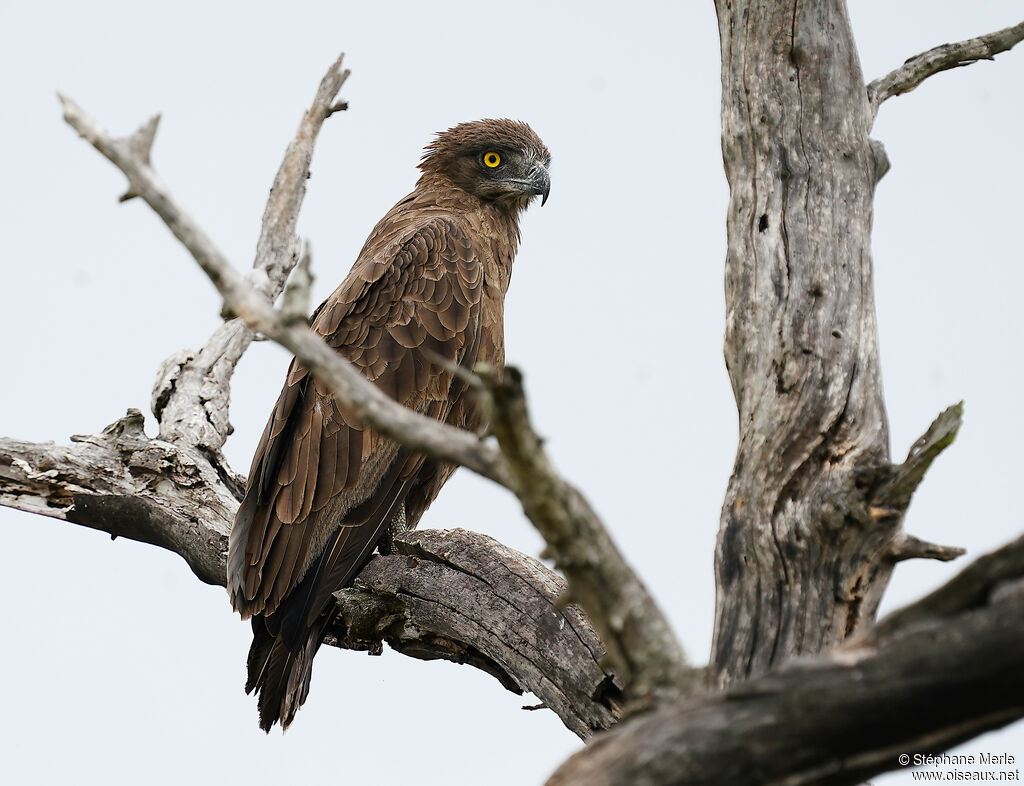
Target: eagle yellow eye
x,y
491,159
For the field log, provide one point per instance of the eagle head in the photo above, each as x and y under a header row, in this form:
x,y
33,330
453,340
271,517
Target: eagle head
x,y
501,161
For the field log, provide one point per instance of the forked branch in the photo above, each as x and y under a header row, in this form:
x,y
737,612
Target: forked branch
x,y
245,300
641,645
455,595
844,716
633,627
192,395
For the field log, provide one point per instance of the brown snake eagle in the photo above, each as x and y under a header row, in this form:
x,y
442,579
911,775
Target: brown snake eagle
x,y
426,293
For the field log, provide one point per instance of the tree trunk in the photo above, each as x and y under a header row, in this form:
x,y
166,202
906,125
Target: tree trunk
x,y
802,556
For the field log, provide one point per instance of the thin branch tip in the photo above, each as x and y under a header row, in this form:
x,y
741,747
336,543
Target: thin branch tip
x,y
488,373
140,145
942,58
141,142
468,376
341,106
940,434
911,547
65,102
329,87
295,302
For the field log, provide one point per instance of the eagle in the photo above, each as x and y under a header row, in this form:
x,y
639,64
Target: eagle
x,y
424,298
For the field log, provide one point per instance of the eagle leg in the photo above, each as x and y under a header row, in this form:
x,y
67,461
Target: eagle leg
x,y
395,529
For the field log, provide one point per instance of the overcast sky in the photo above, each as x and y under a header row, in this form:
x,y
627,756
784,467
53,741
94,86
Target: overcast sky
x,y
120,666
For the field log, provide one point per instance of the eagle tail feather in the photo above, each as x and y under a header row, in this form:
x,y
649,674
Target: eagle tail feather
x,y
279,675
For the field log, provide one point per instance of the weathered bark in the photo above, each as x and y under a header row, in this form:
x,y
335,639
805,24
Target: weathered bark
x,y
641,646
463,596
455,595
942,58
192,393
122,482
928,677
811,525
804,551
640,642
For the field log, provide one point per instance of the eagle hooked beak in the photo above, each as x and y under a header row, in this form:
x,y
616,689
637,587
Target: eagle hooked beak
x,y
540,182
534,181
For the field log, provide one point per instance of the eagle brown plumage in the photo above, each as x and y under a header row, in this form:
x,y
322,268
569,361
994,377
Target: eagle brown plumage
x,y
426,292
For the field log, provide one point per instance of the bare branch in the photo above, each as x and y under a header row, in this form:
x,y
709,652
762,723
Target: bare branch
x,y
295,300
910,547
642,643
177,415
969,588
276,250
143,181
844,717
192,396
918,68
141,145
455,595
126,484
901,480
890,488
639,639
374,407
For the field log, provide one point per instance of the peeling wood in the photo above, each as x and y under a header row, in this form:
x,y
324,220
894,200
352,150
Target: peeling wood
x,y
842,717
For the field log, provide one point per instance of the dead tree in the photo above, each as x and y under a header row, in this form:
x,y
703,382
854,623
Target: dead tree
x,y
812,522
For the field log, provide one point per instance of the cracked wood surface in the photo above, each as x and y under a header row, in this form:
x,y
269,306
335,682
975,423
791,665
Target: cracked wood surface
x,y
812,521
455,595
474,600
929,676
641,645
122,482
795,571
429,597
191,396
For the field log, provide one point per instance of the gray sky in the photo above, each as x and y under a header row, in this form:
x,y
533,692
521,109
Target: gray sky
x,y
120,666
